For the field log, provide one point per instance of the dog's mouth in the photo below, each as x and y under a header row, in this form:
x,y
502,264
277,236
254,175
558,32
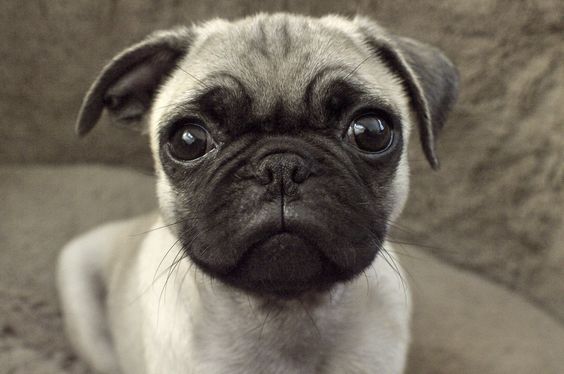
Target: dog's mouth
x,y
282,264
280,258
286,248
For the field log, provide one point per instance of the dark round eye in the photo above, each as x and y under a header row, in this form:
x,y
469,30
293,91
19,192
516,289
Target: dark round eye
x,y
189,142
370,133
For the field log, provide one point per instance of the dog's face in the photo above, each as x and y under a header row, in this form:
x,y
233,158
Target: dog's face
x,y
279,141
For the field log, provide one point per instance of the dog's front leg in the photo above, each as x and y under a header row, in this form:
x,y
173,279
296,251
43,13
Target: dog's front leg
x,y
82,292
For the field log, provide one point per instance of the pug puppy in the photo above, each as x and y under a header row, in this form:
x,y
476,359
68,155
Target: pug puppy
x,y
280,150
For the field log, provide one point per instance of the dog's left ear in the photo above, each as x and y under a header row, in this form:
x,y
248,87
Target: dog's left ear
x,y
428,76
127,84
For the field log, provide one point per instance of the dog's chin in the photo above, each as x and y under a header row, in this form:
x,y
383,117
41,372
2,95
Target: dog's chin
x,y
283,265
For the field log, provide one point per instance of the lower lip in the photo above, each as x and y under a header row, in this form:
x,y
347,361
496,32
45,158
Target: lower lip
x,y
283,257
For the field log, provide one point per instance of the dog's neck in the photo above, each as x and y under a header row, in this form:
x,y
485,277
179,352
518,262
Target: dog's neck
x,y
227,330
293,335
192,323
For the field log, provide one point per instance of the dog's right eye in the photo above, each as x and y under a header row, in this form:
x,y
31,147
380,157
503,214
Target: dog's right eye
x,y
189,142
371,133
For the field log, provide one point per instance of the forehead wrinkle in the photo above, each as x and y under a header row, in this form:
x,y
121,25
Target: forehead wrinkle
x,y
190,97
173,110
281,69
268,81
318,91
317,80
321,88
286,76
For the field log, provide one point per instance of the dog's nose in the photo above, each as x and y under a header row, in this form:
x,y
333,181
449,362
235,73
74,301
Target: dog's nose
x,y
283,172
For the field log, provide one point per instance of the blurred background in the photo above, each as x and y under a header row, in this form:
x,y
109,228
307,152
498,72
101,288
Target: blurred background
x,y
494,211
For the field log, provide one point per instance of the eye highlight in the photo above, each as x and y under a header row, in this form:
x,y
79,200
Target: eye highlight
x,y
370,133
189,142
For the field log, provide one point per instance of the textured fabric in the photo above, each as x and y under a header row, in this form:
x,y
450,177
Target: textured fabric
x,y
462,324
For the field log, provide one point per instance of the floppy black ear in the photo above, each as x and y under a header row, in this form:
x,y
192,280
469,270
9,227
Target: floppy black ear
x,y
126,86
428,76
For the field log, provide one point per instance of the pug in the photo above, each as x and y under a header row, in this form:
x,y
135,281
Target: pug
x,y
280,150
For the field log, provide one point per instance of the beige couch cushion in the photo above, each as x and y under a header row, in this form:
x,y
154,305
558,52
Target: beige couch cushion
x,y
465,324
462,324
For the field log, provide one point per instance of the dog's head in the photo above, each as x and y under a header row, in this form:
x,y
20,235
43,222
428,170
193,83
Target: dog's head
x,y
279,141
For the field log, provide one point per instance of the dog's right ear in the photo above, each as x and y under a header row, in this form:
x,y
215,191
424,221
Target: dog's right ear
x,y
429,79
127,85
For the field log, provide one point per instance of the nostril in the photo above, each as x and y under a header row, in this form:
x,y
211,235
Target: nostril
x,y
300,173
290,189
282,169
269,176
265,176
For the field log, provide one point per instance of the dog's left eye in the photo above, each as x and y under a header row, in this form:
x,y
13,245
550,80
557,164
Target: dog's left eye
x,y
370,133
189,142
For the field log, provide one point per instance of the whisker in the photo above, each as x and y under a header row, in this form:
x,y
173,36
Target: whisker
x,y
171,268
166,254
404,254
367,284
159,228
394,241
193,76
264,322
413,282
191,218
392,263
188,270
310,317
356,68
